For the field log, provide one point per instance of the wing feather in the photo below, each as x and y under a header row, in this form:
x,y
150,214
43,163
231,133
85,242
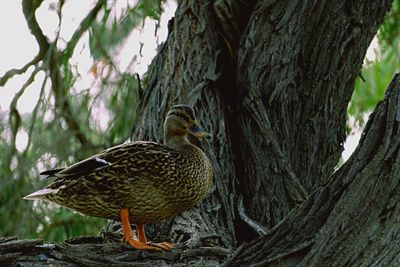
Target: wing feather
x,y
138,153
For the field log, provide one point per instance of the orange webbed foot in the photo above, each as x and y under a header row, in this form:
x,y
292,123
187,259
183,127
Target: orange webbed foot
x,y
139,245
142,242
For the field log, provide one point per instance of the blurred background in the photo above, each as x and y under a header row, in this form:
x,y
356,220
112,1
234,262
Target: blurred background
x,y
71,75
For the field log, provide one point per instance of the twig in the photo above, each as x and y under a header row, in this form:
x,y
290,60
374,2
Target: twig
x,y
61,98
15,114
34,116
9,74
259,228
29,8
84,25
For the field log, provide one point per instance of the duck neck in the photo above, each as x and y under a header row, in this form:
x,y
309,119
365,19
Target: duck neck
x,y
176,141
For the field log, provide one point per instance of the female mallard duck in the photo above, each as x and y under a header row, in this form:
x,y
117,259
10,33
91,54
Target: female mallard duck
x,y
139,182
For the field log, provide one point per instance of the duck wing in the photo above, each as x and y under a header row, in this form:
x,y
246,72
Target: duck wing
x,y
139,153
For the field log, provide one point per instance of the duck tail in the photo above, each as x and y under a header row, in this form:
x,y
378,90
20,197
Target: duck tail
x,y
41,194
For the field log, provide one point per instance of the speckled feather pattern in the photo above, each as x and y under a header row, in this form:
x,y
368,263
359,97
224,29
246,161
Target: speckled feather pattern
x,y
153,181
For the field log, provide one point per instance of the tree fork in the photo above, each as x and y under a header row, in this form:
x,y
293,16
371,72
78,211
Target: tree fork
x,y
353,219
296,67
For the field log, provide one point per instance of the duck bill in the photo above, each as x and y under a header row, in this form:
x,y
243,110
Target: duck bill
x,y
198,132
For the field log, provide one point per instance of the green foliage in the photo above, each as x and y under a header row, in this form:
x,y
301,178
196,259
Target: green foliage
x,y
66,224
111,31
376,75
390,30
125,96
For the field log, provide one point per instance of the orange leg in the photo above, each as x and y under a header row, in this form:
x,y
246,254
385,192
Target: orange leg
x,y
142,238
141,233
128,236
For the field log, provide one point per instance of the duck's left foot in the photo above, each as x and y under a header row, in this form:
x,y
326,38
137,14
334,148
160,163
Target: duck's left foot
x,y
142,242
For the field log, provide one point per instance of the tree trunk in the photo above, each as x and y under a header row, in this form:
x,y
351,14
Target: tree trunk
x,y
297,64
271,82
353,219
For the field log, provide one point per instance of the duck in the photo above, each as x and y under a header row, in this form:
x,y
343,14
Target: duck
x,y
139,182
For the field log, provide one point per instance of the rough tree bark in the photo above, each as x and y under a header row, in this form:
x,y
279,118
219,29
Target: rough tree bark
x,y
297,64
353,220
271,81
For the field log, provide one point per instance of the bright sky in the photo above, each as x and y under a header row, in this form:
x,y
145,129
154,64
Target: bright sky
x,y
18,47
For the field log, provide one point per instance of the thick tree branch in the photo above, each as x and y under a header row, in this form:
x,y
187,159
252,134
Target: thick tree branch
x,y
94,251
351,219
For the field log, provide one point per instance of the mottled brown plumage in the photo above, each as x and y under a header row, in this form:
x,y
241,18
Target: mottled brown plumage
x,y
150,180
